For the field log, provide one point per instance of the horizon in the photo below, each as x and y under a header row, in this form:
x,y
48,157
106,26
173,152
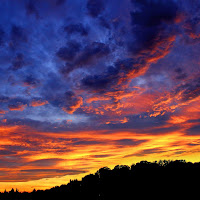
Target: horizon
x,y
161,163
95,83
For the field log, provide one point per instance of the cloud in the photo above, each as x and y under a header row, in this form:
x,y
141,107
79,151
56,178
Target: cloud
x,y
72,102
76,28
2,34
70,51
92,51
18,62
150,20
17,107
153,29
102,156
57,171
31,9
2,112
77,56
150,151
180,74
129,142
194,130
115,76
44,162
35,174
190,90
38,102
31,81
85,143
18,36
95,7
153,13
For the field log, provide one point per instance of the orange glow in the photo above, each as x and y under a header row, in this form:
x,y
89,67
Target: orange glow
x,y
86,150
17,107
2,112
177,119
4,120
38,103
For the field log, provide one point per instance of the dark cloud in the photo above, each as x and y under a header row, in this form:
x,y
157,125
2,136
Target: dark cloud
x,y
95,7
191,22
79,57
144,125
129,67
56,171
18,62
18,35
150,22
45,162
7,152
97,82
102,156
70,51
195,130
60,2
150,151
180,74
12,162
76,28
104,23
11,151
92,51
113,76
4,99
153,13
2,34
35,174
31,9
72,102
86,142
31,81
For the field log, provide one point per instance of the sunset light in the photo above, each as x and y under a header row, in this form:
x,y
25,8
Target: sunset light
x,y
95,83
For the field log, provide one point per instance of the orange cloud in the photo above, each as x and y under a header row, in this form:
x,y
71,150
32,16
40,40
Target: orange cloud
x,y
4,120
37,103
187,111
17,107
98,98
118,121
2,112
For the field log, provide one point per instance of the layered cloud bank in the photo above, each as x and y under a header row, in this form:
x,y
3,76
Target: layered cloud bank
x,y
80,80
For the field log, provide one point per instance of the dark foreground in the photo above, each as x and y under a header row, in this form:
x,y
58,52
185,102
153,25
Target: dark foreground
x,y
158,180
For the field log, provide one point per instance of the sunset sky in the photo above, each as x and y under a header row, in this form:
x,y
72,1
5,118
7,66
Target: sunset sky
x,y
91,83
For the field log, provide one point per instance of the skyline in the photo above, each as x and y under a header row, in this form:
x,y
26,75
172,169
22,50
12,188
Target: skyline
x,y
88,84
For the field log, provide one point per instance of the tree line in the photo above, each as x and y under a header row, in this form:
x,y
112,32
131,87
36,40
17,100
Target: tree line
x,y
164,179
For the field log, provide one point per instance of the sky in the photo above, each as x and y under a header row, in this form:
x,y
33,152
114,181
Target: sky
x,y
95,83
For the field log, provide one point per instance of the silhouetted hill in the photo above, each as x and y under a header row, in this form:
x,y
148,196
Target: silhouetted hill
x,y
164,179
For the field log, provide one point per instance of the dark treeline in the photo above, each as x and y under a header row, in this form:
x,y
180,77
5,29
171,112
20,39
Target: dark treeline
x,y
164,179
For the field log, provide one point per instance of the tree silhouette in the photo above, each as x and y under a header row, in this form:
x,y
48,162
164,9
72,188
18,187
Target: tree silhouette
x,y
164,179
